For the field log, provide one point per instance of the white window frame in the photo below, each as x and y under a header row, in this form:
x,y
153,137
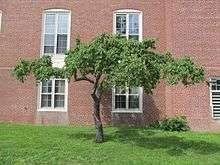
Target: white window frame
x,y
127,12
57,59
211,79
127,109
0,21
52,108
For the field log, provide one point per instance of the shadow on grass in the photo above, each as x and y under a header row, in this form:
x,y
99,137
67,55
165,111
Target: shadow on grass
x,y
151,140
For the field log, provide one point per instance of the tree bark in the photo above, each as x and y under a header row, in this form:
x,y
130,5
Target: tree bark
x,y
97,119
96,96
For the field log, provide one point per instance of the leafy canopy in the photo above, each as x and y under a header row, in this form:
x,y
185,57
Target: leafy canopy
x,y
113,60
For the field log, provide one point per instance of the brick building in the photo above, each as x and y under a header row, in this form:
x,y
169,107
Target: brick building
x,y
30,29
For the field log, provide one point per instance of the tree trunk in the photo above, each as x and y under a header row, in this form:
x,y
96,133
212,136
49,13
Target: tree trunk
x,y
97,119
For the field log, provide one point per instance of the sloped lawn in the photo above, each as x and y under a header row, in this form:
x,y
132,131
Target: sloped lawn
x,y
28,144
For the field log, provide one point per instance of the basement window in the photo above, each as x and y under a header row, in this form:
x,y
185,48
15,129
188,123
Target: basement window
x,y
127,100
53,95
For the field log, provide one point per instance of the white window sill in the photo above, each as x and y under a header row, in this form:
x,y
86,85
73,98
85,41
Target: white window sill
x,y
58,61
54,55
58,55
52,110
216,118
126,111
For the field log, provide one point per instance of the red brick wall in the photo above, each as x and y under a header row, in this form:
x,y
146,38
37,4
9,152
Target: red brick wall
x,y
182,26
193,28
18,101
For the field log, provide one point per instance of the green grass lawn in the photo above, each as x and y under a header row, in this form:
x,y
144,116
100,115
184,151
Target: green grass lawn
x,y
28,144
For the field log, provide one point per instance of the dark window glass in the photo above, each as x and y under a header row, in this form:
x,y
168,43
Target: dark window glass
x,y
47,86
59,101
121,23
213,87
61,43
45,100
120,101
48,49
59,86
133,101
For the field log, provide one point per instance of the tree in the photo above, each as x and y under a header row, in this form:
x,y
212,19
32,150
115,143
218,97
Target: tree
x,y
110,60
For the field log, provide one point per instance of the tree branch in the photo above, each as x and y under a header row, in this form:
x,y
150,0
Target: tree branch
x,y
97,93
82,78
96,83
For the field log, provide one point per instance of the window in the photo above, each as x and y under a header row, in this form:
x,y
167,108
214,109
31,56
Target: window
x,y
56,33
127,100
0,20
53,94
215,97
128,23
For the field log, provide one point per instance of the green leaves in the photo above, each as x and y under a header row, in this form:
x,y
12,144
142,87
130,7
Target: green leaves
x,y
22,70
177,123
117,61
41,69
183,70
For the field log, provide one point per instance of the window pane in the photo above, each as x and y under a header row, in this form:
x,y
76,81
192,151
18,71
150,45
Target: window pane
x,y
133,24
62,23
61,43
119,90
49,43
134,90
49,39
60,86
48,49
50,23
133,101
47,86
121,23
213,87
134,37
120,101
59,101
45,100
